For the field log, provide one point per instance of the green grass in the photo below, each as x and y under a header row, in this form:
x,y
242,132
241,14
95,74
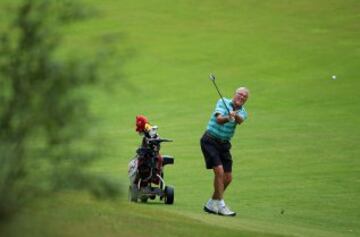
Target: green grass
x,y
298,151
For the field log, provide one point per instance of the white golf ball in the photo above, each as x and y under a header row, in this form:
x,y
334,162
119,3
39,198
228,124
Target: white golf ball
x,y
334,77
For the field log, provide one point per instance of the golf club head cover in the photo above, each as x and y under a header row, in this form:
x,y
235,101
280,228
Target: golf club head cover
x,y
141,122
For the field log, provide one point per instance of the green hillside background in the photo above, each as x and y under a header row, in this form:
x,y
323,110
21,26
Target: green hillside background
x,y
296,159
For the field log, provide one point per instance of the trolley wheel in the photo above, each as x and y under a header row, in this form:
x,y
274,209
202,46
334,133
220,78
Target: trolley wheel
x,y
132,193
169,195
144,199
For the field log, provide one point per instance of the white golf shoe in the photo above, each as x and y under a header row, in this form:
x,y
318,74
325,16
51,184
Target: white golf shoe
x,y
223,210
212,206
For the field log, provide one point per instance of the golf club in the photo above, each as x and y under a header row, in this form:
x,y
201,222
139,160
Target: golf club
x,y
212,78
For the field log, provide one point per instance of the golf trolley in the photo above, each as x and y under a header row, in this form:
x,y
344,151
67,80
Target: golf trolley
x,y
146,169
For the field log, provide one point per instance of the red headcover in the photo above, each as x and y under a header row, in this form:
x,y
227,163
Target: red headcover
x,y
141,121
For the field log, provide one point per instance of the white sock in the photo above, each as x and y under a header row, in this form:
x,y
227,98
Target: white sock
x,y
216,201
222,202
210,201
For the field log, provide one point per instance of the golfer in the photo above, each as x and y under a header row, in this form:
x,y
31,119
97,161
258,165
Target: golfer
x,y
215,146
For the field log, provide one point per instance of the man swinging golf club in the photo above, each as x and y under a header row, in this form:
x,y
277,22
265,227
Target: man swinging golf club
x,y
215,145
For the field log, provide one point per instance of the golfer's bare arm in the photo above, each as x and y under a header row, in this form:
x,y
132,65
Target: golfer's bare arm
x,y
238,119
220,119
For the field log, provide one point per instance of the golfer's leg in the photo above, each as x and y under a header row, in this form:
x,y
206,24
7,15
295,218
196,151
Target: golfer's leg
x,y
218,182
227,179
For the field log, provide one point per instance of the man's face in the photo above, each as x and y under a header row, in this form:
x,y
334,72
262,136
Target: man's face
x,y
240,98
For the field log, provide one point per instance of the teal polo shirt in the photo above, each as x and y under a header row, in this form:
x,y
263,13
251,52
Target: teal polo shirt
x,y
224,131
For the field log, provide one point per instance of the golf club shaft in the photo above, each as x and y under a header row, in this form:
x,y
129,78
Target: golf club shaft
x,y
217,89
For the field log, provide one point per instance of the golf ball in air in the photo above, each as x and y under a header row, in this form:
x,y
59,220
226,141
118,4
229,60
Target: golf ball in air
x,y
334,77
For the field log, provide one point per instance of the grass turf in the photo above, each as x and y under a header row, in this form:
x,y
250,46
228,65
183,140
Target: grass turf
x,y
296,171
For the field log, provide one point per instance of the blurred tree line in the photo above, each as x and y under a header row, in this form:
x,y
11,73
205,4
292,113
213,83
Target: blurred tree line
x,y
44,114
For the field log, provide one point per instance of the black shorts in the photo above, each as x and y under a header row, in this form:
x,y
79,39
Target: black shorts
x,y
216,152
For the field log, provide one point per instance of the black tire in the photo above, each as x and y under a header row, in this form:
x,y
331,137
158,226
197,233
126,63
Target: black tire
x,y
144,199
132,193
169,195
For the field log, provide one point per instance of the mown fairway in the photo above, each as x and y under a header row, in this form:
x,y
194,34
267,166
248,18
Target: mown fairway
x,y
296,159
